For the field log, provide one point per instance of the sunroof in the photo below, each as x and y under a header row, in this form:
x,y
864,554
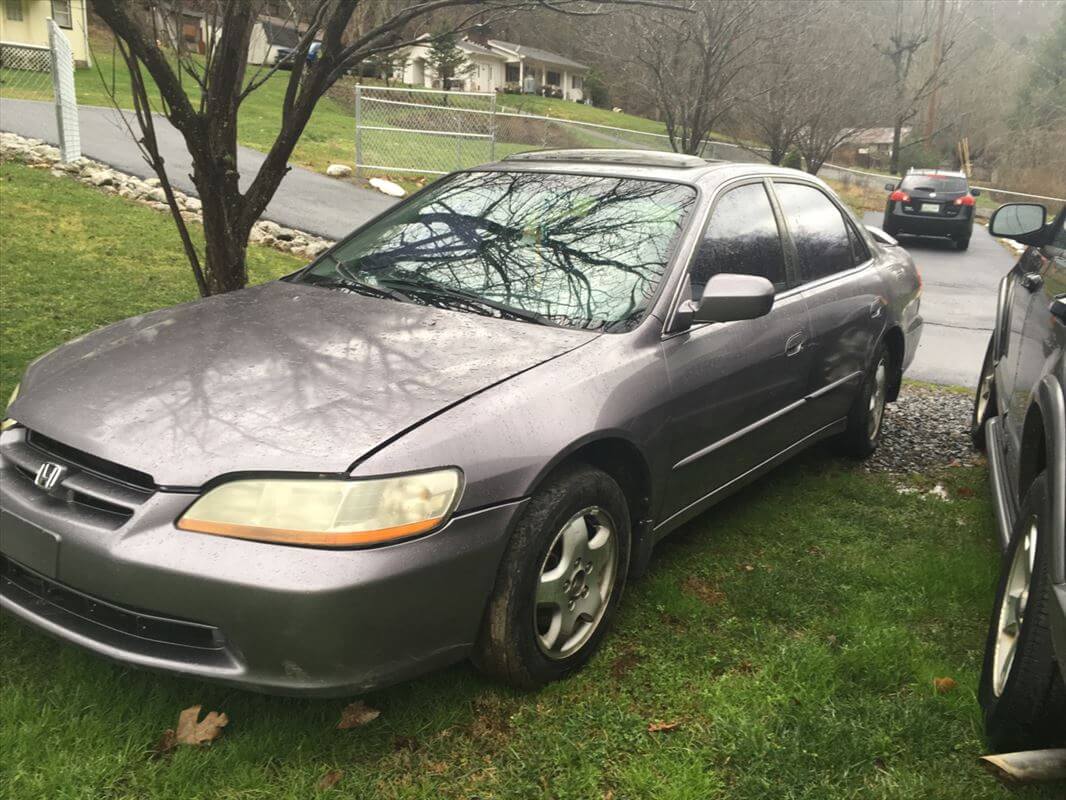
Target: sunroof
x,y
642,158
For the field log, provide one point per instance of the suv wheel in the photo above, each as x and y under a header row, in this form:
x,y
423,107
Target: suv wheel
x,y
863,433
559,582
984,402
1021,690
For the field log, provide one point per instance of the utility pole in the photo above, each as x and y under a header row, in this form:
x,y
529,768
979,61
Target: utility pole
x,y
938,55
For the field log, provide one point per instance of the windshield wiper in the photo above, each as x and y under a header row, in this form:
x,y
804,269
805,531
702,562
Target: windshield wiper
x,y
464,295
350,281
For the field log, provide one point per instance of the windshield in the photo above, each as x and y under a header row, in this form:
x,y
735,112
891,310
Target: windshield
x,y
574,250
933,183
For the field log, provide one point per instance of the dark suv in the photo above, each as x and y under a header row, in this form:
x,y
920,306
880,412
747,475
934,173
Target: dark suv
x,y
1019,417
931,202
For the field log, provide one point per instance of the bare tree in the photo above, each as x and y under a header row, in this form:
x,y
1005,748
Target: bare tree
x,y
910,31
690,59
201,95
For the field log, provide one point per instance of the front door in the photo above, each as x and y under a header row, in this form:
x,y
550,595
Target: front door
x,y
736,388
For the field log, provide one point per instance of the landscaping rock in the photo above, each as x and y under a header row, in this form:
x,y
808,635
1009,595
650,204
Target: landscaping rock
x,y
339,170
101,177
926,427
193,204
157,196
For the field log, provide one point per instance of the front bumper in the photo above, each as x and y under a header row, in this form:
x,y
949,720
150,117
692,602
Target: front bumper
x,y
273,618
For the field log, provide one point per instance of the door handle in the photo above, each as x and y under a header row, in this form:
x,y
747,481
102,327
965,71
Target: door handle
x,y
1031,281
795,344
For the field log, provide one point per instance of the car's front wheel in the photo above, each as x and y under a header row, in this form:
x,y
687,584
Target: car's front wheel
x,y
1021,691
863,432
559,582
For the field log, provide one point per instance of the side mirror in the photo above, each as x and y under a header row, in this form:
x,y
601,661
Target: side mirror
x,y
1023,222
881,237
890,187
975,192
728,297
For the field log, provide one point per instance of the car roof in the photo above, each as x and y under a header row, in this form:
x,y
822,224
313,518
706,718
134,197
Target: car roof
x,y
647,164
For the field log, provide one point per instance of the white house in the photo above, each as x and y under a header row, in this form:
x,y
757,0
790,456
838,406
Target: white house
x,y
497,66
26,22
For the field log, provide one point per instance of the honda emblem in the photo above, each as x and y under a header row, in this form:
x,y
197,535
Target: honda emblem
x,y
49,475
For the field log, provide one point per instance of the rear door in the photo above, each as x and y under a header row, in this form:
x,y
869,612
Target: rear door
x,y
736,388
843,294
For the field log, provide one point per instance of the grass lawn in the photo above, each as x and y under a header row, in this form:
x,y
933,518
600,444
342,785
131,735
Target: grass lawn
x,y
792,634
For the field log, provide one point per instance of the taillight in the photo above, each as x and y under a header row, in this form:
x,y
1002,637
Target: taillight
x,y
965,200
900,196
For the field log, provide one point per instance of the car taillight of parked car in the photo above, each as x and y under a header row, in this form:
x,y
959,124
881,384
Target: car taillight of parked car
x,y
899,196
965,200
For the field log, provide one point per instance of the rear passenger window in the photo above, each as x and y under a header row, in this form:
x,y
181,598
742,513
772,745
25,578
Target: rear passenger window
x,y
823,241
741,238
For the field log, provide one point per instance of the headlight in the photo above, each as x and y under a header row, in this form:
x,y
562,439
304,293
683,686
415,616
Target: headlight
x,y
7,422
326,512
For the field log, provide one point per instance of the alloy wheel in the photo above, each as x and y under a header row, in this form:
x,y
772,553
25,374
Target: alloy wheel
x,y
1012,608
877,400
575,582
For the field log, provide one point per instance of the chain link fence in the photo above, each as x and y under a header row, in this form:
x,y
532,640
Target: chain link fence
x,y
25,72
33,72
433,132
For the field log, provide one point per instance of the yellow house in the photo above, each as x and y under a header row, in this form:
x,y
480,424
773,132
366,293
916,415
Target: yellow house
x,y
25,22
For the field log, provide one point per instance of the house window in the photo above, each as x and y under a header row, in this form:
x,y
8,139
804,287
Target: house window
x,y
61,13
512,73
13,10
552,78
576,82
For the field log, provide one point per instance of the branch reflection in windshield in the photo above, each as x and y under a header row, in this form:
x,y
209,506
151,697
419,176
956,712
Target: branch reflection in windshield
x,y
575,250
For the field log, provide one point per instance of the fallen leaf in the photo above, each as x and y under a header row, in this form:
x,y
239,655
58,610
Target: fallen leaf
x,y
703,590
196,733
944,685
357,714
964,491
747,567
661,727
330,779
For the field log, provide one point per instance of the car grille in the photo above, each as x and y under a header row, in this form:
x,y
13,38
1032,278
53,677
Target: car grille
x,y
128,628
94,492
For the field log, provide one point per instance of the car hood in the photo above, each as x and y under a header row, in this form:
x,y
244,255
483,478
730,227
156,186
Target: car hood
x,y
278,377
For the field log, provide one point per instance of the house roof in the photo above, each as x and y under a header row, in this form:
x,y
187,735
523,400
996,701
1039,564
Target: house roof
x,y
281,32
479,50
875,136
524,51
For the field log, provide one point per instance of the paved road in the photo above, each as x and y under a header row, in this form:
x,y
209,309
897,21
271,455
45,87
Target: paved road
x,y
305,200
958,303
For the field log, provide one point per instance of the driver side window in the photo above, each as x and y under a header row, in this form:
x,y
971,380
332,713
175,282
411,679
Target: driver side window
x,y
741,238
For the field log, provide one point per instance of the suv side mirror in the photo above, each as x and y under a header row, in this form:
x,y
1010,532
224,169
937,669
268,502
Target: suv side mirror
x,y
1023,222
728,297
890,187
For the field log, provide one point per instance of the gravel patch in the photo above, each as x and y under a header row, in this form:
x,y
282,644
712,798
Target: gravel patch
x,y
925,428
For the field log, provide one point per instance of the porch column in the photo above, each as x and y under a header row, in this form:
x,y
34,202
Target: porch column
x,y
521,76
566,85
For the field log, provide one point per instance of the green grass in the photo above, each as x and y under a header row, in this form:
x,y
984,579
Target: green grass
x,y
73,259
793,632
576,112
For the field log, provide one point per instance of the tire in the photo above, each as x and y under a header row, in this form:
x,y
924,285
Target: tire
x,y
863,432
1021,690
984,401
527,643
962,244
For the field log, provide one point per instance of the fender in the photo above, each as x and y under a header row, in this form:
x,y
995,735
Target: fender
x,y
1052,404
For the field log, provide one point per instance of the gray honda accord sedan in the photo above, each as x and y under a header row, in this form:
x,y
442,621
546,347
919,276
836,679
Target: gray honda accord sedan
x,y
455,434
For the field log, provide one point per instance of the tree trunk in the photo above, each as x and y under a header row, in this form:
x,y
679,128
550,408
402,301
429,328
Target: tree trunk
x,y
226,228
897,136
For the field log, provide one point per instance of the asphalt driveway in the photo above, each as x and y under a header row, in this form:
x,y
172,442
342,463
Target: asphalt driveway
x,y
305,200
958,303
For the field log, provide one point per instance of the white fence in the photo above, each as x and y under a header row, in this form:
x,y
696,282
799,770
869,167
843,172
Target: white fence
x,y
32,72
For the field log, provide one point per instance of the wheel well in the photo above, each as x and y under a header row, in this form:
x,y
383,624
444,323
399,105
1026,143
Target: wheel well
x,y
625,464
895,345
1033,456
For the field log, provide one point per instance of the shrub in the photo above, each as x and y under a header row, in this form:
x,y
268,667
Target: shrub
x,y
792,160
